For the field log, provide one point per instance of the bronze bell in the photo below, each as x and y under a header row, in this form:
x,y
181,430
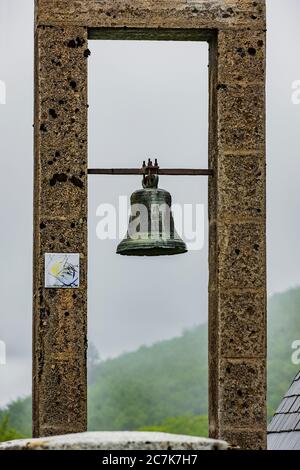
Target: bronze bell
x,y
151,229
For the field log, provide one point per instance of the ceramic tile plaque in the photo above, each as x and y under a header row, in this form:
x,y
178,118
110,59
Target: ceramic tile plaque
x,y
62,270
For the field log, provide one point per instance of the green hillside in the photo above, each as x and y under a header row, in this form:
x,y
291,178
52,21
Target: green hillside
x,y
164,386
283,330
143,388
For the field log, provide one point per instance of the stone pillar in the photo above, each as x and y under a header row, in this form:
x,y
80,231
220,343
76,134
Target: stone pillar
x,y
60,225
237,286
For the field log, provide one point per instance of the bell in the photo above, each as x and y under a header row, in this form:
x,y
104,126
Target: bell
x,y
151,229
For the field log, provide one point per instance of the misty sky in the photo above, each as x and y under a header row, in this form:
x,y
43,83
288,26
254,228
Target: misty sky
x,y
146,99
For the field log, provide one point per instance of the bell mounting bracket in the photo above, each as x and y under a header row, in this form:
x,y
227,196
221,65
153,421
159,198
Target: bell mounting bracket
x,y
151,169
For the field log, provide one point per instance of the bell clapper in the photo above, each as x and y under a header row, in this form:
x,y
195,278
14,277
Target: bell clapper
x,y
150,176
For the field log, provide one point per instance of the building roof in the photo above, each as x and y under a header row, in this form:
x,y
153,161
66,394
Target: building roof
x,y
284,429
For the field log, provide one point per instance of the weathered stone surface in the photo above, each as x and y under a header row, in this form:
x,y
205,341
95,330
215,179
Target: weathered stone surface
x,y
62,112
213,363
63,235
242,256
60,375
61,327
117,441
153,13
237,270
248,439
237,283
241,56
242,393
241,117
60,315
242,196
242,322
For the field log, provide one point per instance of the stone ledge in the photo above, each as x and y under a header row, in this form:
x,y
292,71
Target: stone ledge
x,y
124,440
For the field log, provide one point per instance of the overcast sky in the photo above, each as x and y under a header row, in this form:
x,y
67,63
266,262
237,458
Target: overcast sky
x,y
146,99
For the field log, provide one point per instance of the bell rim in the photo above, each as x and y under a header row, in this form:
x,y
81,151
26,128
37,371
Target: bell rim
x,y
159,248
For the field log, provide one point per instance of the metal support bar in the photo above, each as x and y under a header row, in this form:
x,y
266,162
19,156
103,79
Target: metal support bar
x,y
143,171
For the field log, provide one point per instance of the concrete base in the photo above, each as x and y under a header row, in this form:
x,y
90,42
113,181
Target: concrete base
x,y
116,441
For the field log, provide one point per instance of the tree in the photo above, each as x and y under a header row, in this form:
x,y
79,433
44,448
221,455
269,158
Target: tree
x,y
6,433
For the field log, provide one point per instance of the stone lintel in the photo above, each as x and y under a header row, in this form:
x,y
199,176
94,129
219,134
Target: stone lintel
x,y
213,14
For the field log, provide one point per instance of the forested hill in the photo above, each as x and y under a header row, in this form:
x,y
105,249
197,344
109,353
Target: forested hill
x,y
165,385
168,379
283,330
